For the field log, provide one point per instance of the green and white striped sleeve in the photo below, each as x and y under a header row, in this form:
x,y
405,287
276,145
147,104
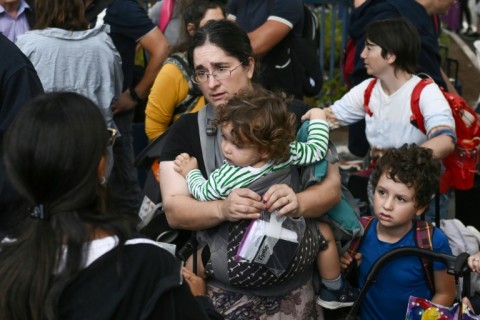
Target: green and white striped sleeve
x,y
315,149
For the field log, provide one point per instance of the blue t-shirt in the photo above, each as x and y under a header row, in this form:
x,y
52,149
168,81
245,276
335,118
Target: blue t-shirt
x,y
403,277
251,14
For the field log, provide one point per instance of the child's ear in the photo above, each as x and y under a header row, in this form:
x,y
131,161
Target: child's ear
x,y
264,155
420,211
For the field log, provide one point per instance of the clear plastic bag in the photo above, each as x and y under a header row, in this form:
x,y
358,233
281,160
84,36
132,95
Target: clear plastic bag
x,y
272,241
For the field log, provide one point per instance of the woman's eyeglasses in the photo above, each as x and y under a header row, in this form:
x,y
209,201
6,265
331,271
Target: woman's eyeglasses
x,y
111,135
201,76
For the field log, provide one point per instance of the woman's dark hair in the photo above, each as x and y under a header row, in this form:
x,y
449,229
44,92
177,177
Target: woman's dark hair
x,y
399,37
63,14
193,11
227,36
415,167
52,153
260,118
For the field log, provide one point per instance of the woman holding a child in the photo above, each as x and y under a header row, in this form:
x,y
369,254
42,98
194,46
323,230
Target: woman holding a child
x,y
222,58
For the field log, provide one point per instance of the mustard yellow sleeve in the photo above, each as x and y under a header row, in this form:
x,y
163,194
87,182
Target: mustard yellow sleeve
x,y
169,89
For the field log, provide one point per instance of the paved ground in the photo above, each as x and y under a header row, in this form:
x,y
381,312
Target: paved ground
x,y
461,49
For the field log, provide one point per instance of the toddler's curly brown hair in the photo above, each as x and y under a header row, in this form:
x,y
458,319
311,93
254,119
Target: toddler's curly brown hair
x,y
260,118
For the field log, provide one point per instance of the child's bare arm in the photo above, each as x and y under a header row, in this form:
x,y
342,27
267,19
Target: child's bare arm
x,y
183,164
444,288
314,113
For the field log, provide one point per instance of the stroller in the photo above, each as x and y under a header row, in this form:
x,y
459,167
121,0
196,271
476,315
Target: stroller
x,y
456,265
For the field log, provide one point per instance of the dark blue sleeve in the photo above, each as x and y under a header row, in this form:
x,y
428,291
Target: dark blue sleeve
x,y
16,89
129,18
290,10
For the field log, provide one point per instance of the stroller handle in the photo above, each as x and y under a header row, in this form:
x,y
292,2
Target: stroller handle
x,y
456,265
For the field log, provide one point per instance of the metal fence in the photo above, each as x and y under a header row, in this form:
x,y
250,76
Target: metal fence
x,y
333,16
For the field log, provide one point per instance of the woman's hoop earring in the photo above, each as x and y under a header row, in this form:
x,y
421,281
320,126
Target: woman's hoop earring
x,y
103,181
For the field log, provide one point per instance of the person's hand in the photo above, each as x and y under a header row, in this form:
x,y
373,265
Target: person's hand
x,y
332,120
468,303
474,262
124,103
282,198
197,284
242,204
183,164
314,113
346,259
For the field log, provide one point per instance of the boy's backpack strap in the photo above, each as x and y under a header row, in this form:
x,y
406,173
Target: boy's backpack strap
x,y
417,118
423,239
367,95
366,221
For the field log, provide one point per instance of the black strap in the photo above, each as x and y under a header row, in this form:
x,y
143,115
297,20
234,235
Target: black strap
x,y
193,92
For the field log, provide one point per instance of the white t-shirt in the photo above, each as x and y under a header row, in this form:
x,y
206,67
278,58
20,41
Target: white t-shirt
x,y
389,126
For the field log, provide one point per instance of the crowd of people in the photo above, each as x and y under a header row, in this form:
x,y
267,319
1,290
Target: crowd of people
x,y
232,170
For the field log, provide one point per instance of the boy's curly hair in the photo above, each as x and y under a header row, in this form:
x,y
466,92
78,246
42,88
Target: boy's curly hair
x,y
260,118
413,166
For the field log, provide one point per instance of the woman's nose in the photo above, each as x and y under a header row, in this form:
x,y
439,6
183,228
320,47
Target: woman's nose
x,y
212,82
363,55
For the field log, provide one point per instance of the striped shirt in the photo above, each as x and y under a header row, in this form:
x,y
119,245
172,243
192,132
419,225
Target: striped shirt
x,y
228,177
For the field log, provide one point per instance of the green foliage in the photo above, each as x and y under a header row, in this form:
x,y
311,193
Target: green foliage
x,y
332,90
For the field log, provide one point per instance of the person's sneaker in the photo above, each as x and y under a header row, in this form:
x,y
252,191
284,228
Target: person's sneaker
x,y
334,299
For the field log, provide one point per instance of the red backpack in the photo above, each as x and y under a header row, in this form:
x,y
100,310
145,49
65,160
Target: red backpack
x,y
460,165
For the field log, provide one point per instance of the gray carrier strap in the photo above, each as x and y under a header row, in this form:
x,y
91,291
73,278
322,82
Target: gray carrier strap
x,y
217,237
210,139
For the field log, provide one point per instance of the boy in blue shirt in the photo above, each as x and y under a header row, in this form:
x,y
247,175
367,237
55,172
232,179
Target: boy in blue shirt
x,y
404,182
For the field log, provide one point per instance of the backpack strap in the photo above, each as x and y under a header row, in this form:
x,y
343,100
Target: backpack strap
x,y
423,239
366,221
367,95
165,14
417,118
210,139
194,93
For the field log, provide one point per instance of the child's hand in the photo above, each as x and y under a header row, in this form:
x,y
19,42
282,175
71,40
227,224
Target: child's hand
x,y
197,284
346,259
183,164
474,262
314,113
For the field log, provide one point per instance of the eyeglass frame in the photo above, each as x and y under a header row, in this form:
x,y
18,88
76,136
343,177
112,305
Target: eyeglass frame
x,y
112,137
208,74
